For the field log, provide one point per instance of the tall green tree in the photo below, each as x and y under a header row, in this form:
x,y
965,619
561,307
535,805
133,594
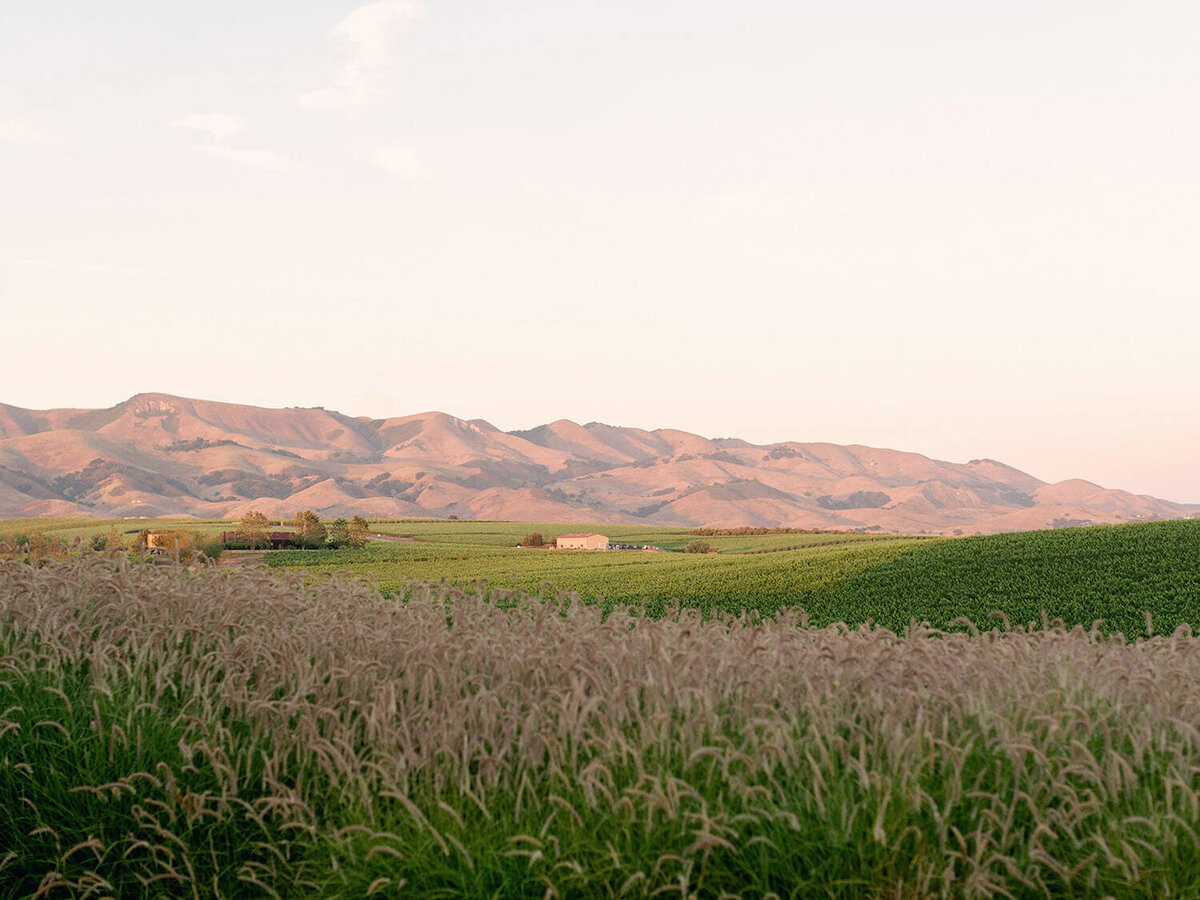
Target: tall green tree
x,y
112,540
358,531
310,533
255,529
339,534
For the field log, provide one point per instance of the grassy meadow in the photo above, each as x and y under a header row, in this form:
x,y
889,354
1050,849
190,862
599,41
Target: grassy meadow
x,y
450,715
230,732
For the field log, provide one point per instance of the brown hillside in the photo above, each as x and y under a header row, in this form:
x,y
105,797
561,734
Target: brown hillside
x,y
156,454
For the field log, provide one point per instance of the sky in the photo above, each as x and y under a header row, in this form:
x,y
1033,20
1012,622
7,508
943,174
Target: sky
x,y
963,229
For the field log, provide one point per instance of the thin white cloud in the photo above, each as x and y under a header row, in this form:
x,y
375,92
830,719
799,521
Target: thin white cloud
x,y
366,36
21,133
258,159
218,126
400,160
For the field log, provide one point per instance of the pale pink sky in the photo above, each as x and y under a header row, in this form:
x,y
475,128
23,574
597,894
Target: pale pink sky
x,y
962,229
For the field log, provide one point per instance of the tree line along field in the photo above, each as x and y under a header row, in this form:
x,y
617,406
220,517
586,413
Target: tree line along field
x,y
229,732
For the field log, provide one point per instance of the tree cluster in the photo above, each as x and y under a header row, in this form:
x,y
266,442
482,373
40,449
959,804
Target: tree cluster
x,y
310,533
351,534
307,531
255,530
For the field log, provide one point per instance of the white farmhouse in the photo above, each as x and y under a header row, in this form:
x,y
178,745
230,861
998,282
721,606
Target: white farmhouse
x,y
589,541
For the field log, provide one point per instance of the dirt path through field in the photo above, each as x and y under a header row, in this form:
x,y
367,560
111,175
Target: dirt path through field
x,y
242,558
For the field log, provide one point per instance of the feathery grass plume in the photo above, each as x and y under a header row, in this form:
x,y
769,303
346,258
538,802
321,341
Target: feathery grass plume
x,y
205,731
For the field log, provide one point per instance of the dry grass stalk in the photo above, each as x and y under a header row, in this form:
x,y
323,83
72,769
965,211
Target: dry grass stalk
x,y
981,764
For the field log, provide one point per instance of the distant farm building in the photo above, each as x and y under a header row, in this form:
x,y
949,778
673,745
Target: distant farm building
x,y
158,542
590,541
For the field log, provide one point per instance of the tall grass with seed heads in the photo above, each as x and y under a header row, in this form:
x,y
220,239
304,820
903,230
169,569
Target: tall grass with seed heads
x,y
225,733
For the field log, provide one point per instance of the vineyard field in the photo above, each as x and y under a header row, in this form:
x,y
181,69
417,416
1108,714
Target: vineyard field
x,y
1115,574
509,534
728,582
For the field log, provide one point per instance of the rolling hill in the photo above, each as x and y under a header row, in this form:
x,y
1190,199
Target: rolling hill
x,y
157,454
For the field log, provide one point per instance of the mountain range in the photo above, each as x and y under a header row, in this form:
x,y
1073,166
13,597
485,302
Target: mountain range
x,y
160,455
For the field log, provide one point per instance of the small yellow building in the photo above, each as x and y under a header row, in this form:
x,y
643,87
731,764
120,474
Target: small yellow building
x,y
589,541
160,542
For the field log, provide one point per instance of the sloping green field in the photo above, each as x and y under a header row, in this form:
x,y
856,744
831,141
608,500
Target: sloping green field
x,y
729,582
1115,574
1111,573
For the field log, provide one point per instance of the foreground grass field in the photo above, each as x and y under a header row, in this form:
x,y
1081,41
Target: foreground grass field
x,y
210,732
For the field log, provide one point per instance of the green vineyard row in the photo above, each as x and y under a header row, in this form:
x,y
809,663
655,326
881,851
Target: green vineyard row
x,y
1116,574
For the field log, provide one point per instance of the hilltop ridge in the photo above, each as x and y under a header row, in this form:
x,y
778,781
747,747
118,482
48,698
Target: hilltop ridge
x,y
158,454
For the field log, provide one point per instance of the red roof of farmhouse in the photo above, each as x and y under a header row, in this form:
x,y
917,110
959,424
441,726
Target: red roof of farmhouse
x,y
584,534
